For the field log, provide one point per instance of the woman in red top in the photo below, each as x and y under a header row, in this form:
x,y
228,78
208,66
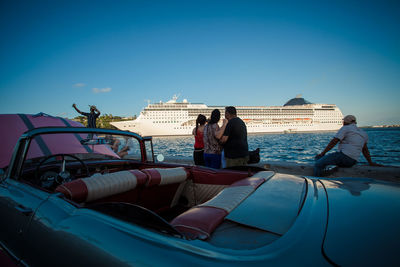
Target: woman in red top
x,y
198,133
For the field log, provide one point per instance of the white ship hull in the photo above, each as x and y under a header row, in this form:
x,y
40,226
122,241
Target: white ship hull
x,y
175,130
178,119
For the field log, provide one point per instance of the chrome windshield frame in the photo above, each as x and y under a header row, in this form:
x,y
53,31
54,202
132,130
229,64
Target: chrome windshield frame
x,y
21,148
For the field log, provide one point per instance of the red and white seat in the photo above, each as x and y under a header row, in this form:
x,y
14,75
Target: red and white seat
x,y
102,186
159,176
163,188
200,221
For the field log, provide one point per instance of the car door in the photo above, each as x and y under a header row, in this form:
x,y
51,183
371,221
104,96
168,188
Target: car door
x,y
18,202
64,234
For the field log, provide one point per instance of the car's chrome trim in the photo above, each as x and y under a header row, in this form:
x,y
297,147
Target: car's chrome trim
x,y
22,146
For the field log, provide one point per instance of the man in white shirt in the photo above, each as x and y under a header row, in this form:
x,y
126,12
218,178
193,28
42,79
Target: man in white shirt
x,y
352,140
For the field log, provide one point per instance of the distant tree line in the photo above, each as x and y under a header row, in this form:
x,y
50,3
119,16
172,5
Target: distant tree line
x,y
104,120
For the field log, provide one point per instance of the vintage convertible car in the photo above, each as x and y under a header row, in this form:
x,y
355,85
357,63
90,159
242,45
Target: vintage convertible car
x,y
73,196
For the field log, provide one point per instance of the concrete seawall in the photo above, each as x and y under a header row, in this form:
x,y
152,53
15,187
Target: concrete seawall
x,y
387,173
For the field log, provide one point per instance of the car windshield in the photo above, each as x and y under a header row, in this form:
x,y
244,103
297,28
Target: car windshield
x,y
50,155
84,146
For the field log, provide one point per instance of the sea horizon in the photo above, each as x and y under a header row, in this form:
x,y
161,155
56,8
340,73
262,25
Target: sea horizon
x,y
383,144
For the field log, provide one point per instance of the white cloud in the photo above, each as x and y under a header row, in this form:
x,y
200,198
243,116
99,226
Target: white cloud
x,y
79,85
102,90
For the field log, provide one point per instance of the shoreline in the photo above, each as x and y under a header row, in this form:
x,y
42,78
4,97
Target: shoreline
x,y
385,173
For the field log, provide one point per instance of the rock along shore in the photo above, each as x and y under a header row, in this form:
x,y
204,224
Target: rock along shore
x,y
387,173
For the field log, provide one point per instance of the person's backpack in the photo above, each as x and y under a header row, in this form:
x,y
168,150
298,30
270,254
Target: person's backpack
x,y
254,156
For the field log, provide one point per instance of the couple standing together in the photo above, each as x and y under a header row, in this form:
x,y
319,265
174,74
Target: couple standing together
x,y
224,146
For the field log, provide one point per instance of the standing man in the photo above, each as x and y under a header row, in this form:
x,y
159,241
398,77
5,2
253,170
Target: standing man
x,y
91,117
234,138
352,141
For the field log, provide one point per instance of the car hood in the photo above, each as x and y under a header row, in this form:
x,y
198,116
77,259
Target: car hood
x,y
363,225
277,203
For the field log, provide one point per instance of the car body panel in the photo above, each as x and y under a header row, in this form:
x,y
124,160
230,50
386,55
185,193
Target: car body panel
x,y
300,245
77,237
285,220
18,203
94,238
360,213
277,201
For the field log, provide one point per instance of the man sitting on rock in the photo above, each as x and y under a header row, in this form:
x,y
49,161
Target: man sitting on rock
x,y
352,141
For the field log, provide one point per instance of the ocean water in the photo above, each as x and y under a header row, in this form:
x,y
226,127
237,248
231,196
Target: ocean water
x,y
383,144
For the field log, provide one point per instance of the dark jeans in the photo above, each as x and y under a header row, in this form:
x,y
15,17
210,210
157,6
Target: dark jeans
x,y
336,158
198,157
236,162
212,160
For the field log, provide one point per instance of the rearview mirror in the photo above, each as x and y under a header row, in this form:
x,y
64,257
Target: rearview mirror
x,y
160,158
97,141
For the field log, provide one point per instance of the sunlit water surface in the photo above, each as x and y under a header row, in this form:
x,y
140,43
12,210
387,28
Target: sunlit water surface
x,y
384,146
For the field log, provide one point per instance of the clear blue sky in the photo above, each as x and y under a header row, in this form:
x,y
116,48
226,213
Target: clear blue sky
x,y
119,54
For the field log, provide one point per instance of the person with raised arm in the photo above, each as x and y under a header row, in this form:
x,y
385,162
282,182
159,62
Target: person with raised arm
x,y
91,117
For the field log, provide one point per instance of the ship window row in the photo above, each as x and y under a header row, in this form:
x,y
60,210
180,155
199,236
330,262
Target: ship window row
x,y
183,127
256,111
294,122
292,117
164,109
274,113
163,122
165,118
269,123
263,111
243,116
169,107
277,110
174,105
263,114
328,116
205,112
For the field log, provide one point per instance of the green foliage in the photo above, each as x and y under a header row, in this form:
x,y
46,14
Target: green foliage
x,y
104,120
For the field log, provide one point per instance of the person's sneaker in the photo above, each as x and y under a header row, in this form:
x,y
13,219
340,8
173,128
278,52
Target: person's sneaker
x,y
317,157
330,169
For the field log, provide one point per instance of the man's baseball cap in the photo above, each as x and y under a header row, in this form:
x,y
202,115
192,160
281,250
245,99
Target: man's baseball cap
x,y
350,119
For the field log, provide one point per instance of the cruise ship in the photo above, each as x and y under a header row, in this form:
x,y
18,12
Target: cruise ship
x,y
173,118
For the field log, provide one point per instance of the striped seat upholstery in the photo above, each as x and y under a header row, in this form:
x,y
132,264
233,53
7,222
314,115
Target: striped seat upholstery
x,y
206,183
163,188
158,176
101,186
200,221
